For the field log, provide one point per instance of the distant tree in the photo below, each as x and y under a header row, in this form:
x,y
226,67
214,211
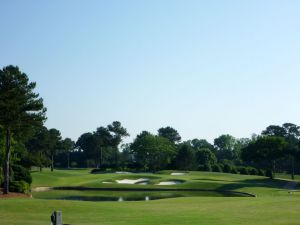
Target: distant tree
x,y
153,152
267,148
21,109
118,133
67,147
143,133
202,143
38,146
291,133
185,158
274,130
103,139
127,158
169,133
225,145
87,143
205,156
54,145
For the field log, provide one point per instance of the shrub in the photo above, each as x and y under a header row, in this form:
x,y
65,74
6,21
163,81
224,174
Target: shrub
x,y
234,170
217,168
269,173
19,186
253,171
201,168
1,177
21,174
99,170
207,167
243,170
227,168
261,172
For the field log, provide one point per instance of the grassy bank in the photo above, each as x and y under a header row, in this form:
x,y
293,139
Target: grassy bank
x,y
274,205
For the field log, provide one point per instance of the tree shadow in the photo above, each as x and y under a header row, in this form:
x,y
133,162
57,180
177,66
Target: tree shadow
x,y
254,183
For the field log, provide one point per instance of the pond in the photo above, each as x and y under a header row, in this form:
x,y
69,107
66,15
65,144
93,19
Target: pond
x,y
104,195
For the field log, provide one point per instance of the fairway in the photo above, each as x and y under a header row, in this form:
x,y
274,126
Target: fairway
x,y
273,204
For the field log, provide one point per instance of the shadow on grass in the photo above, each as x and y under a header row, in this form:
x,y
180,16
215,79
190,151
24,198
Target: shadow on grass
x,y
254,183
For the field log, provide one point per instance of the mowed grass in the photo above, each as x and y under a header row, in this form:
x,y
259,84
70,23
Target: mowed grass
x,y
260,186
274,205
182,211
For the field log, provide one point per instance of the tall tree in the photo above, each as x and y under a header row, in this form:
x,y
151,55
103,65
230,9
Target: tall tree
x,y
185,158
202,143
21,109
205,156
54,145
225,145
103,139
268,148
169,133
67,147
37,147
153,152
291,133
118,133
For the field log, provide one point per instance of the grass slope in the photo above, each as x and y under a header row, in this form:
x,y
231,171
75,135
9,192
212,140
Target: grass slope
x,y
272,206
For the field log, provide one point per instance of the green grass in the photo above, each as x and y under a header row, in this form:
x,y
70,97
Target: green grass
x,y
183,211
274,205
260,186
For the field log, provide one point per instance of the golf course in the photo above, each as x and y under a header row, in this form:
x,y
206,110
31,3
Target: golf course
x,y
224,199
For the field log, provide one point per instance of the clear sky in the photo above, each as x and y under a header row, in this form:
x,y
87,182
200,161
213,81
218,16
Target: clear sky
x,y
203,67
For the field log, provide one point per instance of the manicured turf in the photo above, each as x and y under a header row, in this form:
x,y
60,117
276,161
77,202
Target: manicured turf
x,y
274,205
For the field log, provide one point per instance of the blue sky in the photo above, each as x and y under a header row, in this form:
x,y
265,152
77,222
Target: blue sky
x,y
203,67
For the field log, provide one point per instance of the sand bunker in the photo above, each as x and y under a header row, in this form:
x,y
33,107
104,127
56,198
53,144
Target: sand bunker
x,y
122,172
106,182
40,189
142,181
169,182
178,174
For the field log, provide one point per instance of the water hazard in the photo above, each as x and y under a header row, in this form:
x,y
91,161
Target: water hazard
x,y
120,196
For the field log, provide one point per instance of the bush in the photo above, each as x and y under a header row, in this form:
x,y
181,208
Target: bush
x,y
21,174
227,168
207,167
99,170
201,168
217,168
1,177
253,171
261,172
270,174
19,186
234,170
243,170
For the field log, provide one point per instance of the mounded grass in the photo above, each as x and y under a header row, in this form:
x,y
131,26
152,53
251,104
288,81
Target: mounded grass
x,y
274,205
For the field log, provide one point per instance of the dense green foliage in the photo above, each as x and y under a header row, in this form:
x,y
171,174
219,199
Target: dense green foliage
x,y
21,110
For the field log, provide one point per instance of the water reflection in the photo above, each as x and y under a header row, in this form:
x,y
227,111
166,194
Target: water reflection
x,y
121,196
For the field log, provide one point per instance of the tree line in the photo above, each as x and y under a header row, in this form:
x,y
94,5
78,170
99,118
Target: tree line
x,y
25,143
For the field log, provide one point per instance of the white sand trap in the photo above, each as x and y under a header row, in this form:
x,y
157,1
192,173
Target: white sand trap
x,y
169,182
178,174
121,172
143,183
40,189
127,181
106,182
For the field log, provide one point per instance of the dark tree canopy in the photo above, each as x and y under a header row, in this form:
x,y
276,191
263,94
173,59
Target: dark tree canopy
x,y
169,133
153,152
185,158
21,110
267,148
